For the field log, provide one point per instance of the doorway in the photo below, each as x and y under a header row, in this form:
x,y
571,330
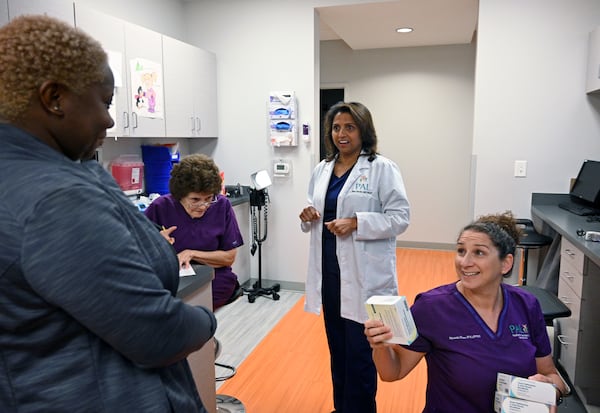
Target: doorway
x,y
329,97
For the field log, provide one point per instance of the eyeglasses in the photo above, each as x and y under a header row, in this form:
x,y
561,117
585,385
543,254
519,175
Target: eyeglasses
x,y
200,204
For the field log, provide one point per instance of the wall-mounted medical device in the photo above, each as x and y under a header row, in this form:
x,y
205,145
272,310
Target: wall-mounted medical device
x,y
283,128
282,168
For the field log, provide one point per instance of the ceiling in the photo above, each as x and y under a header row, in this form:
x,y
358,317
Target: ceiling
x,y
373,25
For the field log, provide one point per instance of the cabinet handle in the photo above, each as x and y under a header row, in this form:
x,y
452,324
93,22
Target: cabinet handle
x,y
565,301
199,123
569,252
562,339
193,123
125,120
134,117
568,275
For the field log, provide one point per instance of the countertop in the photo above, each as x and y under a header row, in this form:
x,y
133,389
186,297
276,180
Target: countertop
x,y
237,194
189,284
545,207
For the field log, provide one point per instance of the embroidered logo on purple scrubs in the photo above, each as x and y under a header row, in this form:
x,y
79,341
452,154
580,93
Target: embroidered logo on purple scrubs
x,y
520,331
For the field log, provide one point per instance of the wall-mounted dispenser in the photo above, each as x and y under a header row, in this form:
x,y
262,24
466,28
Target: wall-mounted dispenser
x,y
283,128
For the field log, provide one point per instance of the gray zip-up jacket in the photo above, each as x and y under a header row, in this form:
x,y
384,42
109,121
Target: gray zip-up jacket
x,y
89,321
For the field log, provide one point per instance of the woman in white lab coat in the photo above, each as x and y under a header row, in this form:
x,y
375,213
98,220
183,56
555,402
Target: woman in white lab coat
x,y
357,207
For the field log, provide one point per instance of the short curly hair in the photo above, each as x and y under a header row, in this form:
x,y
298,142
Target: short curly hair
x,y
34,49
194,173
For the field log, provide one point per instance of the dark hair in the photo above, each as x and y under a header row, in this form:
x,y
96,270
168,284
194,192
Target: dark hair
x,y
194,173
502,230
364,121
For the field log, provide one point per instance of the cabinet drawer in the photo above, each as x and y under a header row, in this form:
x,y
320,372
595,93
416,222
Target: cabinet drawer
x,y
567,339
570,253
571,300
570,276
569,328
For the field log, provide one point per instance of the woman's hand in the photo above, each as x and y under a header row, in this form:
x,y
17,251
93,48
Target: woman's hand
x,y
185,257
309,214
166,233
342,226
377,333
546,379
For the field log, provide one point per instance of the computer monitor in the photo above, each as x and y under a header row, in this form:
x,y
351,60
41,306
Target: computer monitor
x,y
587,185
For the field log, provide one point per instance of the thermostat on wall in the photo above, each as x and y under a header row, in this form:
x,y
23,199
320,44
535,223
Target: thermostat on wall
x,y
282,168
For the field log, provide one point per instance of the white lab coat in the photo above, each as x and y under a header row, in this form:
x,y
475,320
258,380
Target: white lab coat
x,y
375,194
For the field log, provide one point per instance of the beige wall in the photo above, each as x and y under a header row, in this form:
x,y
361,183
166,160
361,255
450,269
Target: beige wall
x,y
421,99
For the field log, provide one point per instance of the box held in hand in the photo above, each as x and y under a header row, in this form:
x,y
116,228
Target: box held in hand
x,y
393,311
522,388
503,403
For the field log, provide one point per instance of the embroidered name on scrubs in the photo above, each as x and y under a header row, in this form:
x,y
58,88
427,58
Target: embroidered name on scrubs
x,y
467,337
362,185
520,331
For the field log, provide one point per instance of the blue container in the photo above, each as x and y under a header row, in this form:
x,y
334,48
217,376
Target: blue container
x,y
157,168
156,153
157,179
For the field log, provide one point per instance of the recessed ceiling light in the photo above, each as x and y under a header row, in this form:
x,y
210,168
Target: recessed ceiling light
x,y
404,29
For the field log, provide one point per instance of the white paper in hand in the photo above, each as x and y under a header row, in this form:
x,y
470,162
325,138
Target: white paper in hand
x,y
184,272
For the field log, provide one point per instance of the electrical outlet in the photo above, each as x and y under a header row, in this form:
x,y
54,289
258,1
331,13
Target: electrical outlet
x,y
520,169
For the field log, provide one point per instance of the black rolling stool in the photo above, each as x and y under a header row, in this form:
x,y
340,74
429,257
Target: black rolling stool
x,y
552,306
530,239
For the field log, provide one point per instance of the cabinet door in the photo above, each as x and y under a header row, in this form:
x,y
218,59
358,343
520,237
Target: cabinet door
x,y
110,32
62,9
569,328
206,98
3,12
593,67
190,90
202,362
126,42
142,47
179,62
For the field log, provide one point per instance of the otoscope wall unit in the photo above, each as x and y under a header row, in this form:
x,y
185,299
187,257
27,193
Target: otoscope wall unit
x,y
283,128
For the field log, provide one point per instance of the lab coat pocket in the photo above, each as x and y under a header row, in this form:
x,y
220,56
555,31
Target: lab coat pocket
x,y
379,269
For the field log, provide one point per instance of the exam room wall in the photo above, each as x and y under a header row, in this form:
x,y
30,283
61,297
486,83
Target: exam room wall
x,y
252,60
421,99
530,101
162,16
529,104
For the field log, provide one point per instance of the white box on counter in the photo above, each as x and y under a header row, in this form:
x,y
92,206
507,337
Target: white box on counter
x,y
522,388
393,311
503,403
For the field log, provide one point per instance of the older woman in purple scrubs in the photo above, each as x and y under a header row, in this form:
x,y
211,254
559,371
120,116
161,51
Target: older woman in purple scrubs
x,y
201,221
474,328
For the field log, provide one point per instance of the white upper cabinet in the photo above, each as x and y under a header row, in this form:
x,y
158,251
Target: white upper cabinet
x,y
62,9
593,67
136,59
180,83
207,95
3,12
143,49
190,90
